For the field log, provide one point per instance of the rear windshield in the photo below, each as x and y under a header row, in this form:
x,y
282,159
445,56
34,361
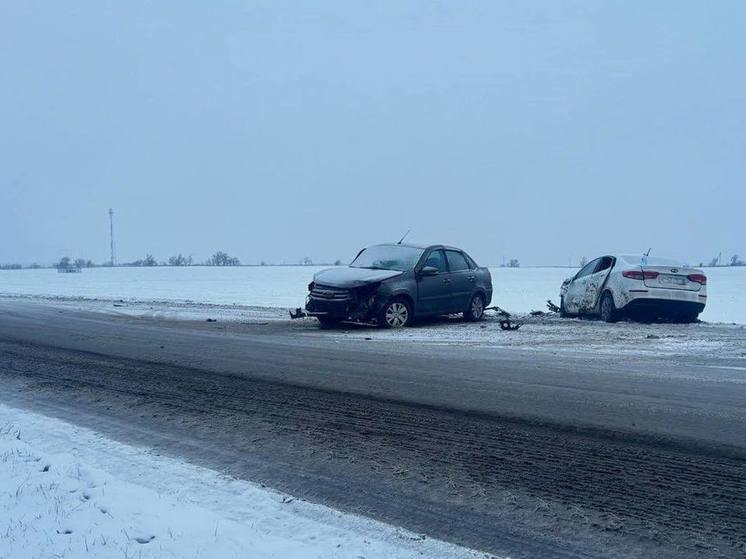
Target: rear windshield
x,y
643,260
388,257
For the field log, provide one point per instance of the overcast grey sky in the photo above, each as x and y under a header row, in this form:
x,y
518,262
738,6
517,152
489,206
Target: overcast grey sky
x,y
275,130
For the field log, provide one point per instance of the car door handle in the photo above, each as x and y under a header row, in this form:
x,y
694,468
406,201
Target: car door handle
x,y
446,280
472,278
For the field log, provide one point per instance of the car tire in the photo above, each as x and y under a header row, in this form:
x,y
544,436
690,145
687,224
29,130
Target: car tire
x,y
396,313
562,309
609,311
475,311
328,322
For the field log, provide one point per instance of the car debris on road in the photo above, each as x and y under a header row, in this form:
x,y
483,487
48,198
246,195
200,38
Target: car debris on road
x,y
506,323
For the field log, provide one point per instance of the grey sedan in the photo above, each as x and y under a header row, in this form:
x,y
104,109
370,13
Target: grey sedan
x,y
393,284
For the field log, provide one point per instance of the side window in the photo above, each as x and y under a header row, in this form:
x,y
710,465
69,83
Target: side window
x,y
436,260
456,261
473,265
604,264
588,269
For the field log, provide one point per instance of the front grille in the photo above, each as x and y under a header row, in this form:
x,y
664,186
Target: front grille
x,y
329,293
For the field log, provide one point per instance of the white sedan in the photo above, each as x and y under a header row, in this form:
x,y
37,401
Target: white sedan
x,y
637,286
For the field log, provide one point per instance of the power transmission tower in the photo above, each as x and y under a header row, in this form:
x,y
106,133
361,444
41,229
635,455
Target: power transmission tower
x,y
111,236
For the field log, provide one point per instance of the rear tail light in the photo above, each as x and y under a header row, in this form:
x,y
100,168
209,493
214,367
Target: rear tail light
x,y
698,278
640,274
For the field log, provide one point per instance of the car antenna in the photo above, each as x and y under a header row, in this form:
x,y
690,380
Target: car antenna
x,y
644,258
404,237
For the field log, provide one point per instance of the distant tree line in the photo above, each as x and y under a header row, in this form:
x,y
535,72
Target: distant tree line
x,y
180,260
66,263
219,258
735,260
148,261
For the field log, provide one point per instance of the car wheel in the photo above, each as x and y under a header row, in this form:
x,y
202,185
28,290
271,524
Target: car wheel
x,y
563,310
608,309
397,313
475,312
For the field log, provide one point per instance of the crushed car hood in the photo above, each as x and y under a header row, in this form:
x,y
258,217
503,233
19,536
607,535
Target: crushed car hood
x,y
352,277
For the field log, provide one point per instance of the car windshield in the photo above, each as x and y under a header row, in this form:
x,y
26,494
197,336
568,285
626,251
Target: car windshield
x,y
388,257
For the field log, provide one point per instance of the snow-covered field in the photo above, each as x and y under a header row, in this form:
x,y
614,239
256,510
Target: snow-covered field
x,y
518,290
68,492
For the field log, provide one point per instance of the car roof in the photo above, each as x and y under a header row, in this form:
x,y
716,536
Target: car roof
x,y
635,259
651,260
420,246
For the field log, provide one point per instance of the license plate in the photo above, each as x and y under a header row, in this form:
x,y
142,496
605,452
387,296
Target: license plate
x,y
673,280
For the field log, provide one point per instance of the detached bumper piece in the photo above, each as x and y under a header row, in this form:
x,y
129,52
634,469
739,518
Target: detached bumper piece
x,y
505,322
298,313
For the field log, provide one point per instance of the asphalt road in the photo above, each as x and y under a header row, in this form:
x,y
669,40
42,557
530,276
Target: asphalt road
x,y
509,451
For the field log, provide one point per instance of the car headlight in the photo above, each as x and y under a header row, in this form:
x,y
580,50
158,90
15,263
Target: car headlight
x,y
311,286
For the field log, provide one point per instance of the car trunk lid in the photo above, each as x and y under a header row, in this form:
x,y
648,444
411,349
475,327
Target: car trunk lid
x,y
673,277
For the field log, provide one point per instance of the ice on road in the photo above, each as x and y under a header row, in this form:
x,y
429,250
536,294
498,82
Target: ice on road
x,y
68,492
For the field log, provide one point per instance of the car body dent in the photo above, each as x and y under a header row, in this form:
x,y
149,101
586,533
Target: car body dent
x,y
581,295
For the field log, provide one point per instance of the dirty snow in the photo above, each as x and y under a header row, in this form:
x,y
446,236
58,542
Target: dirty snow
x,y
516,289
68,492
592,339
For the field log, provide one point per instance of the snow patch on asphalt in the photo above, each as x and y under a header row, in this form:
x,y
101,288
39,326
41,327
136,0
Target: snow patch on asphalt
x,y
161,310
590,338
67,491
544,333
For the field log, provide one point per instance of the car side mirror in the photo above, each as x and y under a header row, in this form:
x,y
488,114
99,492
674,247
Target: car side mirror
x,y
567,281
429,271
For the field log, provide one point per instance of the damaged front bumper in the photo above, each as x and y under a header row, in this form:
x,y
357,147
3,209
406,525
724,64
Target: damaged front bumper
x,y
357,304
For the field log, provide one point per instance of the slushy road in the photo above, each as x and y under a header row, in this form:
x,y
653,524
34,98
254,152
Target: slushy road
x,y
514,452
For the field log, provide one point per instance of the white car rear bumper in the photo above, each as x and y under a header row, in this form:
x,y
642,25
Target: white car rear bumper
x,y
665,302
666,295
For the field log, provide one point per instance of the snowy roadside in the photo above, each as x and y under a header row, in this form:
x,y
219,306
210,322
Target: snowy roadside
x,y
68,491
590,338
543,333
163,310
516,289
